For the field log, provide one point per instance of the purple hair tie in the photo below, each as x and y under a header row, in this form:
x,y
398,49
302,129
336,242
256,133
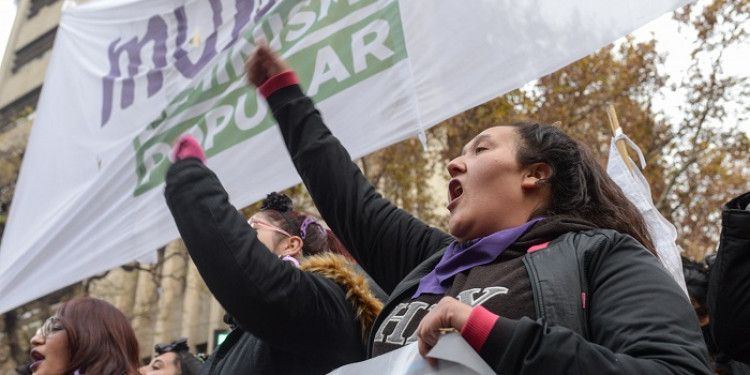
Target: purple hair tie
x,y
303,228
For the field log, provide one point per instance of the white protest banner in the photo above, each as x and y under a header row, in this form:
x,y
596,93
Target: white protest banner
x,y
127,77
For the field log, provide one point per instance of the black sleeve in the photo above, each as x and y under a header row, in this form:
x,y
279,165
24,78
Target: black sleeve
x,y
729,283
639,322
268,297
387,241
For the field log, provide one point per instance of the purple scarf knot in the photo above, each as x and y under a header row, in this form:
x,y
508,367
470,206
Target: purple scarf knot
x,y
460,257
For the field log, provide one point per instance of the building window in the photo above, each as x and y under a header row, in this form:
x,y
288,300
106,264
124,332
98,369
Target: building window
x,y
36,5
34,49
19,107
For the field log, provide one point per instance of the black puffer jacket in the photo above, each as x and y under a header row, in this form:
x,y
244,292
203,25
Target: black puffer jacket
x,y
291,321
729,283
636,319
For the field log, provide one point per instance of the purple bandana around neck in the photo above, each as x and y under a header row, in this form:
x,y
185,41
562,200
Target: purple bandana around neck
x,y
458,258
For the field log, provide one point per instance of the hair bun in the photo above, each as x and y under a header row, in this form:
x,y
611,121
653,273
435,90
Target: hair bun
x,y
277,201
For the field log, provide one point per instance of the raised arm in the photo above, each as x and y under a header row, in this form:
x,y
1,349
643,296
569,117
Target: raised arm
x,y
268,297
387,241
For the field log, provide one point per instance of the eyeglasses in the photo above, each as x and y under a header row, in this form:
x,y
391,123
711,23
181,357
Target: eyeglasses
x,y
178,345
50,326
255,223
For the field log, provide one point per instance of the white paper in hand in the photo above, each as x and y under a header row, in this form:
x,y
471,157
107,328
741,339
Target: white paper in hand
x,y
453,353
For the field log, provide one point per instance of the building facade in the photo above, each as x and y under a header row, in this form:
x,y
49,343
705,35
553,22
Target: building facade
x,y
164,300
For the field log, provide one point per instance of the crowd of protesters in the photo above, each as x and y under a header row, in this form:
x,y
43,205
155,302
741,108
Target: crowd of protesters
x,y
547,267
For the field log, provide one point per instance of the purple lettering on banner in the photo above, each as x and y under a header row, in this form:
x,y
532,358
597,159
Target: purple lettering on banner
x,y
157,33
182,62
241,18
263,9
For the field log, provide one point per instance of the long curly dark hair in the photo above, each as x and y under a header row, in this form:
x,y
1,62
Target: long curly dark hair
x,y
581,188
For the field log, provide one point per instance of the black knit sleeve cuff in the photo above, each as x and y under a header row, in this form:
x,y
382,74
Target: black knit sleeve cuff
x,y
494,347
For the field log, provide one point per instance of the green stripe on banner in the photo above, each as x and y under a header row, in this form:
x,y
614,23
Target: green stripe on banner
x,y
332,45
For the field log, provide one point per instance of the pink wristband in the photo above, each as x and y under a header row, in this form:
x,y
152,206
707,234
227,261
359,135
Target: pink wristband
x,y
278,82
478,327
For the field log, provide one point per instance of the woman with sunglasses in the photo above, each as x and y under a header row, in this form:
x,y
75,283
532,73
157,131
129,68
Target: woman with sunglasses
x,y
296,303
173,358
86,336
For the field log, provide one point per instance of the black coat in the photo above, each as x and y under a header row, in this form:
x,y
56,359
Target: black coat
x,y
638,321
729,283
290,321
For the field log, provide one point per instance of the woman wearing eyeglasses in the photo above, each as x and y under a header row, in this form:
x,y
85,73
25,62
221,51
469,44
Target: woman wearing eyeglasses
x,y
296,303
172,358
276,219
86,336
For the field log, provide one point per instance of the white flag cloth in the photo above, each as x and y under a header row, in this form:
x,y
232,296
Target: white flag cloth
x,y
127,77
638,191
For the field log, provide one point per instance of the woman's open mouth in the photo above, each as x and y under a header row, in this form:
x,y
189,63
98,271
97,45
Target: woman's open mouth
x,y
38,358
454,192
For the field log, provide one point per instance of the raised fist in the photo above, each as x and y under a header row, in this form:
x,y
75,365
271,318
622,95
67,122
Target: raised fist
x,y
187,147
264,64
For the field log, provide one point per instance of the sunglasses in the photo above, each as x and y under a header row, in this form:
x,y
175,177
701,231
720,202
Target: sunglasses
x,y
50,326
178,345
255,223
